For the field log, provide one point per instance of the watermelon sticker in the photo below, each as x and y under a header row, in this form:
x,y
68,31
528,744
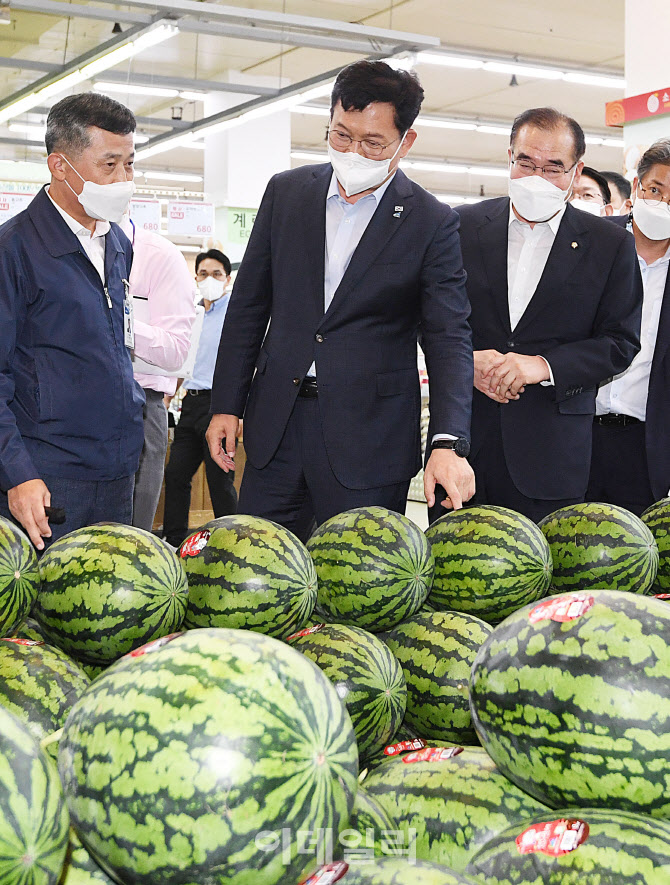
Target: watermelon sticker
x,y
561,608
404,746
662,596
193,545
555,838
305,632
331,872
24,641
153,646
432,754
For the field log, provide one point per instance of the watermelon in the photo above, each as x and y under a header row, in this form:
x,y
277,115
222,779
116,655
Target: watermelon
x,y
33,816
80,868
248,572
600,546
107,589
577,846
436,651
184,760
19,576
657,520
455,803
489,561
29,629
403,741
372,831
571,698
39,684
390,871
367,677
375,568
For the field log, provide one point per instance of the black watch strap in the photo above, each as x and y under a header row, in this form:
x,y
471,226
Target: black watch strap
x,y
461,446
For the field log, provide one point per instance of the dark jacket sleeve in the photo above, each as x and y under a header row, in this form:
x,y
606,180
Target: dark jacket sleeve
x,y
616,331
446,337
246,318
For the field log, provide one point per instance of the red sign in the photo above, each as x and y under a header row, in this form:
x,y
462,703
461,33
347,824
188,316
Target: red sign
x,y
561,608
637,107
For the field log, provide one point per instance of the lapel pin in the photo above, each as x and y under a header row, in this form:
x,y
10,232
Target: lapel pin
x,y
397,211
574,245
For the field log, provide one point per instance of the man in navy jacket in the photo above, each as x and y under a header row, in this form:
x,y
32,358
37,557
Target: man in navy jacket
x,y
70,410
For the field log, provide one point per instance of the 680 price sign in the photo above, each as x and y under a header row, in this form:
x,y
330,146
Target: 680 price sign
x,y
189,218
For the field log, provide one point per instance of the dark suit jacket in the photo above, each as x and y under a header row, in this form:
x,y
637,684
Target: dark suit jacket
x,y
405,280
584,318
657,424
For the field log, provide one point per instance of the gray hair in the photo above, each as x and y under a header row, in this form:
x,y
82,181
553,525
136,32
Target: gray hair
x,y
658,153
70,120
550,119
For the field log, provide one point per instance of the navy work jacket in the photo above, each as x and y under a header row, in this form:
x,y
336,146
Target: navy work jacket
x,y
69,406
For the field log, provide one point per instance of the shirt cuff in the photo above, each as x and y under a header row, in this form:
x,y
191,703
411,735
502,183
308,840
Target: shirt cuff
x,y
550,382
437,436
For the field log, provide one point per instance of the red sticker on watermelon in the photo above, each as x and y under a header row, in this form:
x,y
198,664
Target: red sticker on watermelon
x,y
326,875
404,746
555,838
153,646
561,608
193,545
305,632
432,754
662,596
24,641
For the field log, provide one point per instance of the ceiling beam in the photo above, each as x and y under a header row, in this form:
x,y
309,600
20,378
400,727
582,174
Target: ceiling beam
x,y
27,64
75,10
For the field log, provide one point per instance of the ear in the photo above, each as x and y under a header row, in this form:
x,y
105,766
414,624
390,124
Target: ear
x,y
628,205
633,191
410,138
57,166
609,209
228,279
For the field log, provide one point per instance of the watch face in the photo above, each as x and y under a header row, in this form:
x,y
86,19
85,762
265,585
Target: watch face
x,y
462,448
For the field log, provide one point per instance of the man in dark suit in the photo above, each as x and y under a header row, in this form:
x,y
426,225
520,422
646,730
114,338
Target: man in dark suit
x,y
349,263
556,298
630,465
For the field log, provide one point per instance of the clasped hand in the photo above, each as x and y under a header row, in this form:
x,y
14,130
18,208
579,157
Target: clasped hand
x,y
503,376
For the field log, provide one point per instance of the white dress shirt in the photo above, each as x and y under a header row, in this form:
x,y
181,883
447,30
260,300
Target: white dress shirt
x,y
626,393
93,244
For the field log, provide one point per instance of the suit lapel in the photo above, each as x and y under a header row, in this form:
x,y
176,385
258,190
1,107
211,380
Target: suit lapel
x,y
312,240
570,246
663,336
493,237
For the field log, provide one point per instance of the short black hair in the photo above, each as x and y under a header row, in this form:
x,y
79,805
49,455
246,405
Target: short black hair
x,y
217,255
364,82
657,154
71,118
601,181
620,182
551,119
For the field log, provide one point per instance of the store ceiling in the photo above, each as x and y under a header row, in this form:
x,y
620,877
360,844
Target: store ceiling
x,y
589,36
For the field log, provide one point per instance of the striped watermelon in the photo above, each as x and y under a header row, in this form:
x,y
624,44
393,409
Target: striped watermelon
x,y
80,868
454,803
405,740
600,546
617,847
182,757
33,816
489,561
375,568
571,698
107,589
657,520
372,831
436,651
39,684
367,677
391,871
250,573
19,576
29,629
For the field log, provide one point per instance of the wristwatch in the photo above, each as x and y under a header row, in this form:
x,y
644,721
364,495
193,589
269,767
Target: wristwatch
x,y
461,446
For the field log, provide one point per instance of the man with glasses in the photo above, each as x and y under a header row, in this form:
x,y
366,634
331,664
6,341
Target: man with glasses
x,y
556,299
630,465
189,448
350,263
592,193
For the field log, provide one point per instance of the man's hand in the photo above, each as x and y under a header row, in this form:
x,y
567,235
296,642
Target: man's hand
x,y
453,473
26,504
510,377
486,361
223,427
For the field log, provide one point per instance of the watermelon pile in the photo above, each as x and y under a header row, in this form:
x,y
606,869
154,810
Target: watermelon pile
x,y
657,520
19,576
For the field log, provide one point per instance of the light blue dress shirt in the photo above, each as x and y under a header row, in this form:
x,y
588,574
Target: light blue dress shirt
x,y
208,346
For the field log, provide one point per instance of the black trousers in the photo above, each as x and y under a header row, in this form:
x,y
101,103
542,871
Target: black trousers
x,y
619,472
189,450
298,486
496,486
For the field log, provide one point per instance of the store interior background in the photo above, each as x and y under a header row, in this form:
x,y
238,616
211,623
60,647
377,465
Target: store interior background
x,y
227,95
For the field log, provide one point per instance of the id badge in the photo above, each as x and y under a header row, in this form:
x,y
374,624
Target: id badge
x,y
128,320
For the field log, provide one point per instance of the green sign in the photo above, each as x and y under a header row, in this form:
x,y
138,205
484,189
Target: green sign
x,y
240,222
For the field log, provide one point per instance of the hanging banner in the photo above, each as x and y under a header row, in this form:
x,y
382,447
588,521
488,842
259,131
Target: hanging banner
x,y
240,223
146,214
637,107
12,204
190,219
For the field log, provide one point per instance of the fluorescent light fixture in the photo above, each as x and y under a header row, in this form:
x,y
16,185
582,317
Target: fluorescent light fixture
x,y
487,129
450,61
311,109
428,166
131,89
492,171
613,142
114,57
586,79
170,176
445,124
498,67
455,199
34,131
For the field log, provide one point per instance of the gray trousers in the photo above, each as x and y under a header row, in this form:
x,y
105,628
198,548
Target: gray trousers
x,y
149,477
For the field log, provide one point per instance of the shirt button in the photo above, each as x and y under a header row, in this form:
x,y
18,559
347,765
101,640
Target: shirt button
x,y
296,381
510,344
319,338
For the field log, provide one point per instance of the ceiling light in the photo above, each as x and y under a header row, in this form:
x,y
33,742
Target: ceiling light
x,y
457,198
34,131
595,80
170,176
445,124
486,129
190,95
311,109
498,67
131,89
428,166
450,61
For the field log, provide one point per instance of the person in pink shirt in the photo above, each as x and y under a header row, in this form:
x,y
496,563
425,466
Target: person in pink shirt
x,y
163,296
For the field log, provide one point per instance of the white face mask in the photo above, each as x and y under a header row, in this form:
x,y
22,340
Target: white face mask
x,y
357,173
104,202
212,289
653,220
535,198
586,206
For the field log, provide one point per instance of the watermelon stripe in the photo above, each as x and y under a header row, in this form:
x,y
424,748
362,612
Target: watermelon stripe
x,y
19,576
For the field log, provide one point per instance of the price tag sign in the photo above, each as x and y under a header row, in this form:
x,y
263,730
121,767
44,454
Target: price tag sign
x,y
190,219
146,215
12,204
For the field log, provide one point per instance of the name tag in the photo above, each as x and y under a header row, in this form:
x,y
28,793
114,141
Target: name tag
x,y
128,318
